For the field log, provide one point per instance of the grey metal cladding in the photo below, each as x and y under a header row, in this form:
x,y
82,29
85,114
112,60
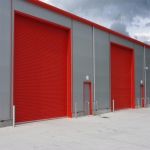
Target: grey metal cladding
x,y
82,30
4,27
82,60
102,69
5,7
119,40
35,10
5,53
4,106
5,57
147,55
138,69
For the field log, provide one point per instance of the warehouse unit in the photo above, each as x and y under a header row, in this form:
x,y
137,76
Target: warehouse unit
x,y
54,63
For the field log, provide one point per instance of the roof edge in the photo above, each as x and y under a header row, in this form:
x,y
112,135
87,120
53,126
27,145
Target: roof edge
x,y
70,15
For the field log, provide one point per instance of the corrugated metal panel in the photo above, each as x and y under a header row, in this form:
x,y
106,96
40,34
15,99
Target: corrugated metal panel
x,y
82,60
26,7
122,41
5,57
147,55
139,69
102,69
121,76
40,70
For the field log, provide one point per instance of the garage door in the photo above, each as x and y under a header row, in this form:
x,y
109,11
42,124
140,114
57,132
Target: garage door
x,y
121,76
40,70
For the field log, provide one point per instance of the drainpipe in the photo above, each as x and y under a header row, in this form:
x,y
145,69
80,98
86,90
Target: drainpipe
x,y
94,65
144,73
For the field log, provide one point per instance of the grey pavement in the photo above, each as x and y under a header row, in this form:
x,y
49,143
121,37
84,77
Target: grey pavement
x,y
123,130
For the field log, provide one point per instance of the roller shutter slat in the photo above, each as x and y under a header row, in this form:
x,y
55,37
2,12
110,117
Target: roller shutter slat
x,y
121,77
40,70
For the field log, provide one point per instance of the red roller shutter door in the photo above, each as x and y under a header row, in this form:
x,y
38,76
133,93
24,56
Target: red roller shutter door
x,y
121,76
40,70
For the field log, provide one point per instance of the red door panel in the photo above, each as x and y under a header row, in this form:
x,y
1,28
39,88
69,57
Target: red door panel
x,y
87,97
121,76
40,70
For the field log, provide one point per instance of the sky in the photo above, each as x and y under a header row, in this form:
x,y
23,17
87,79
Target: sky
x,y
129,17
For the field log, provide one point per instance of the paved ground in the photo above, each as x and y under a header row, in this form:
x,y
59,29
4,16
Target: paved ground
x,y
122,130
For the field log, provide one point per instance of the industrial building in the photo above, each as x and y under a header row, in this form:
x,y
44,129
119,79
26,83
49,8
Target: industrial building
x,y
54,63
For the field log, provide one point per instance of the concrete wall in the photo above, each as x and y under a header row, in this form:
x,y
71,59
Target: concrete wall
x,y
5,57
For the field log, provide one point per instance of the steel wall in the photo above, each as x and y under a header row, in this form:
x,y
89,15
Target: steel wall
x,y
119,40
32,9
139,68
102,69
5,53
82,60
147,56
82,56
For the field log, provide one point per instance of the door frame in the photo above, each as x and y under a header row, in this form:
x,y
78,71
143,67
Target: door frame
x,y
142,97
90,96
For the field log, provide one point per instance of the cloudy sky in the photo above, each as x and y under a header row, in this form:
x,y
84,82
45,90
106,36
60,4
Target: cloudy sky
x,y
129,17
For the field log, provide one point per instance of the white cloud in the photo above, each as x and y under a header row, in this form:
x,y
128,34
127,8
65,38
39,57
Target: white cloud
x,y
143,37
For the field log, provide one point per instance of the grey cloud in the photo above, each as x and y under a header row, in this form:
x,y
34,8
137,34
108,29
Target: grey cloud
x,y
147,42
147,24
124,10
116,14
135,37
136,25
143,38
120,27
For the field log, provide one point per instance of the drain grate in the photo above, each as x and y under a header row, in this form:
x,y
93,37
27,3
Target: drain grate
x,y
104,117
